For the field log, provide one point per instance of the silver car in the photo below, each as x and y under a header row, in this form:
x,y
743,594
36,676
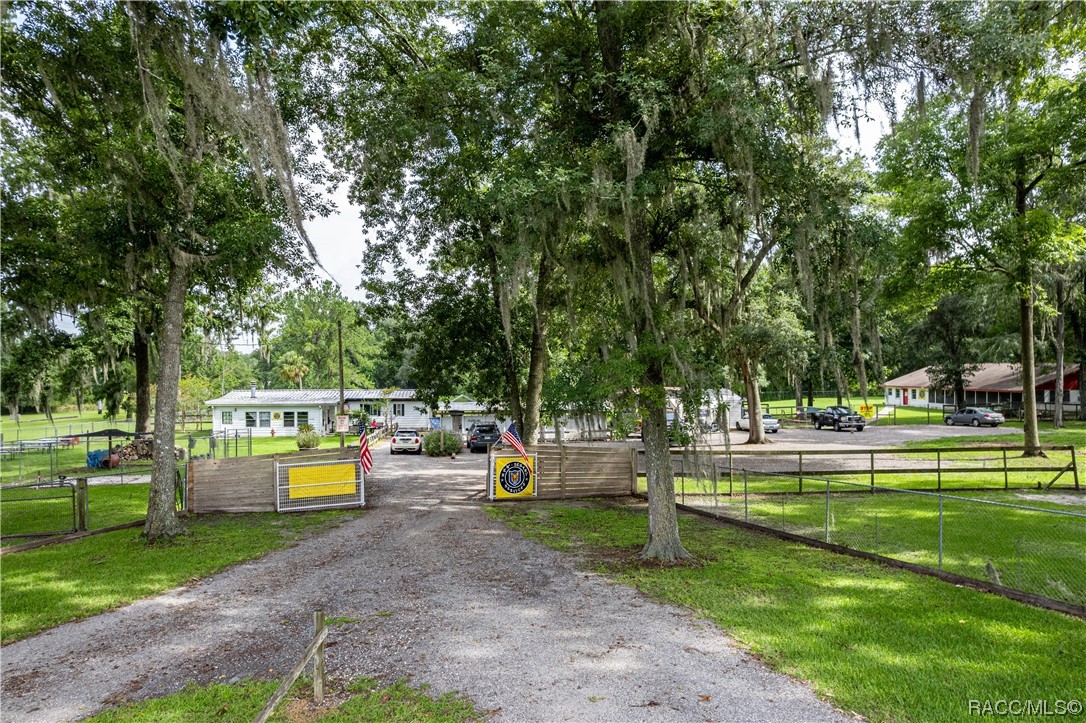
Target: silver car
x,y
975,416
769,423
406,440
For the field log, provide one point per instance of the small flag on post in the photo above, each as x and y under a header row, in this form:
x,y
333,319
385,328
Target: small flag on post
x,y
364,456
510,437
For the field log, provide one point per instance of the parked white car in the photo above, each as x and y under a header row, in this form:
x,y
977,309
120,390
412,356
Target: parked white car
x,y
406,440
769,423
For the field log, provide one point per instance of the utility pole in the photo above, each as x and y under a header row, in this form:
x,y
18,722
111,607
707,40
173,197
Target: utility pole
x,y
339,331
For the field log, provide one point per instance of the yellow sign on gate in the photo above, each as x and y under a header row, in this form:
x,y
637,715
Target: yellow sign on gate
x,y
322,481
512,477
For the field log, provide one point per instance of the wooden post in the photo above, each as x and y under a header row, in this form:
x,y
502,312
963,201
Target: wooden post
x,y
190,481
1074,465
1006,483
682,473
731,470
561,461
801,472
318,657
81,504
939,471
284,687
716,478
872,473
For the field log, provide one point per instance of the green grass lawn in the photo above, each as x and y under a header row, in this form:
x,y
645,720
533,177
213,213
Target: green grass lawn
x,y
888,644
1072,434
361,700
52,585
33,426
1031,551
71,461
107,505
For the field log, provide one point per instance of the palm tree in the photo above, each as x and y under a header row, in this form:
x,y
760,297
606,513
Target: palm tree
x,y
292,368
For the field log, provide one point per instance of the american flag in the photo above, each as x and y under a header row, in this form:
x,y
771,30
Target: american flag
x,y
364,456
510,437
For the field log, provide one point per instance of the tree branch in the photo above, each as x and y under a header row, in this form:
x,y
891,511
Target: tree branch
x,y
404,42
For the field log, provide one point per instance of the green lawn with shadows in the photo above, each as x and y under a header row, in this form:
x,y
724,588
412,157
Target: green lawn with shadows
x,y
1028,550
107,505
363,699
68,581
885,643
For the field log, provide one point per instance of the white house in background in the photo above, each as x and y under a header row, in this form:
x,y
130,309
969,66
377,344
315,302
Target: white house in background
x,y
458,414
271,412
991,385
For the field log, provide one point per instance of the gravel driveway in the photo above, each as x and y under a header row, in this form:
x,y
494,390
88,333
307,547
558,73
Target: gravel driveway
x,y
440,594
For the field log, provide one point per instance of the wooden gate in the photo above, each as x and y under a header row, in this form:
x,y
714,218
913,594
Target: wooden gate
x,y
246,484
568,471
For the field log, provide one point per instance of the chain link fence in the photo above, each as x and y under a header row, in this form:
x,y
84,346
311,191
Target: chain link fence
x,y
220,445
1037,547
38,510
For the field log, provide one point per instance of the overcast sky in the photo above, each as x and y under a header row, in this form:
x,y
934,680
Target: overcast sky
x,y
339,240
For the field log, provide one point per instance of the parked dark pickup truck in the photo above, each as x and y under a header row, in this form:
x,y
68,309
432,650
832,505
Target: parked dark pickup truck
x,y
482,434
839,418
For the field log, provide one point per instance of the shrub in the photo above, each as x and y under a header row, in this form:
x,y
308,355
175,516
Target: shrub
x,y
308,439
432,446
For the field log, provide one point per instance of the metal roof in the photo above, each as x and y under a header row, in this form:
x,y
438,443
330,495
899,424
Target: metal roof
x,y
265,397
988,378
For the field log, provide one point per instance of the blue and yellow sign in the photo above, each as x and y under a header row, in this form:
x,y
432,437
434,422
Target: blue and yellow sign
x,y
512,477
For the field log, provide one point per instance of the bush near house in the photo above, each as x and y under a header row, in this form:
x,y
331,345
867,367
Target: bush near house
x,y
433,446
308,438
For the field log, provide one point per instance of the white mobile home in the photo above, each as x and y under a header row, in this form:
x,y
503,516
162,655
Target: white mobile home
x,y
274,412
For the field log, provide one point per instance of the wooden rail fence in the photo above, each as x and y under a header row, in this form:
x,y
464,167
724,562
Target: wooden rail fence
x,y
315,651
726,462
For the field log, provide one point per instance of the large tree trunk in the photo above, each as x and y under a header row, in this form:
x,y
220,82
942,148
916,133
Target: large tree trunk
x,y
537,357
1078,326
1031,438
1057,415
874,338
663,543
1080,337
509,355
634,256
162,520
749,371
799,391
141,352
857,341
839,380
